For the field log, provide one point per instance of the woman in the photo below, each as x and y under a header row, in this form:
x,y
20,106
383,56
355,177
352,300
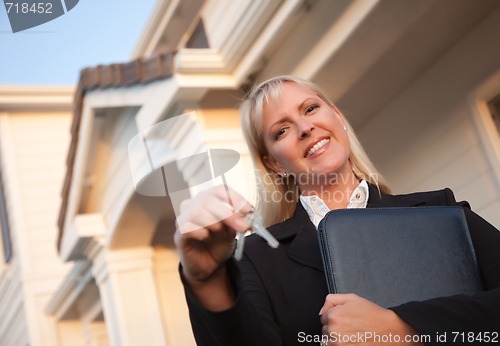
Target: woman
x,y
308,156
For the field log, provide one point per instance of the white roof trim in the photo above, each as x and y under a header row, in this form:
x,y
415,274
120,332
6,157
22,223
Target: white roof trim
x,y
22,98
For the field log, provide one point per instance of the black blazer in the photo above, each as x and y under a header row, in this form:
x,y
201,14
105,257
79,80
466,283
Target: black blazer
x,y
280,291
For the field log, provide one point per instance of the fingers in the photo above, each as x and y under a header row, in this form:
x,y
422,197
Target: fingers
x,y
214,209
206,226
236,201
349,314
332,300
335,300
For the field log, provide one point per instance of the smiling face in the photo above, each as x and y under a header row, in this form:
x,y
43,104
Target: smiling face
x,y
304,135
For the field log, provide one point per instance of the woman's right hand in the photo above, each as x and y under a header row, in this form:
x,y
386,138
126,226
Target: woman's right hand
x,y
205,234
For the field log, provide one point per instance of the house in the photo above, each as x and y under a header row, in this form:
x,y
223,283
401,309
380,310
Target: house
x,y
418,80
34,140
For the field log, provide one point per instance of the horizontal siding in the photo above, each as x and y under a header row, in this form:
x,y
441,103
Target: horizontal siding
x,y
41,219
45,192
43,249
49,265
48,235
51,145
37,147
458,172
42,178
38,206
426,137
13,327
40,146
35,162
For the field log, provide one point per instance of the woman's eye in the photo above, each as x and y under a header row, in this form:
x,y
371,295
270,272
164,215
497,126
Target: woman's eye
x,y
279,133
311,108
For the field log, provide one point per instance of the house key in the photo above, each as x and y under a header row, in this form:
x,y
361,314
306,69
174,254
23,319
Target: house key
x,y
256,228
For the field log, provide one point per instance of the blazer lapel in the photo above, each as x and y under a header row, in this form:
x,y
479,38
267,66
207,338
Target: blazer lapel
x,y
304,247
381,200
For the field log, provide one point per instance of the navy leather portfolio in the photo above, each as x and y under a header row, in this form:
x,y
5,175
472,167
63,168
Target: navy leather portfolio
x,y
392,256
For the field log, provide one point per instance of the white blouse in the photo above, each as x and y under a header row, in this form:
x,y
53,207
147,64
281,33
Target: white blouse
x,y
317,209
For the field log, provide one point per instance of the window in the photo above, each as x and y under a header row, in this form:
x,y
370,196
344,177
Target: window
x,y
494,106
4,223
485,109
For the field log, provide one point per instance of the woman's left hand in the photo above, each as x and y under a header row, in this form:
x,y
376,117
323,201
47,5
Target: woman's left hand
x,y
351,320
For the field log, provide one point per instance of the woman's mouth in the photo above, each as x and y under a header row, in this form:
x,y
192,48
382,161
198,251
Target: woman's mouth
x,y
316,147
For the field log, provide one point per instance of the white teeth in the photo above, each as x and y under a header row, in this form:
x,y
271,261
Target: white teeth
x,y
317,146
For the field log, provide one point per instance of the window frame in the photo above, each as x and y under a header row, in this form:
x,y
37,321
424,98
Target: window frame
x,y
479,101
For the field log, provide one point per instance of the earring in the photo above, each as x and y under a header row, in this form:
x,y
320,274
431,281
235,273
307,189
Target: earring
x,y
345,128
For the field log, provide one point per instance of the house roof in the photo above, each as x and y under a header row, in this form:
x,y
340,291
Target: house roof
x,y
120,75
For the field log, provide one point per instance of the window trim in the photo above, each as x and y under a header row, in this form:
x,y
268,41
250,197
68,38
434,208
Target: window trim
x,y
494,105
489,135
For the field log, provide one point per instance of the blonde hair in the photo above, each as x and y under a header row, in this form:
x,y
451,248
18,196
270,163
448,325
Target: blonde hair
x,y
269,183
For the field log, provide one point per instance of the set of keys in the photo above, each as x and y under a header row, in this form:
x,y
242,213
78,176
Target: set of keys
x,y
256,228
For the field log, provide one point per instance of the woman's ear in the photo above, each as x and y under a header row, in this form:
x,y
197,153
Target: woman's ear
x,y
272,164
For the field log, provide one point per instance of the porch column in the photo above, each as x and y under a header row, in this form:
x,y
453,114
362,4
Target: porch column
x,y
130,302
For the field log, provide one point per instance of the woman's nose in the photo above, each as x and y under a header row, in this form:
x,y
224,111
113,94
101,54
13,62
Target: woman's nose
x,y
305,129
